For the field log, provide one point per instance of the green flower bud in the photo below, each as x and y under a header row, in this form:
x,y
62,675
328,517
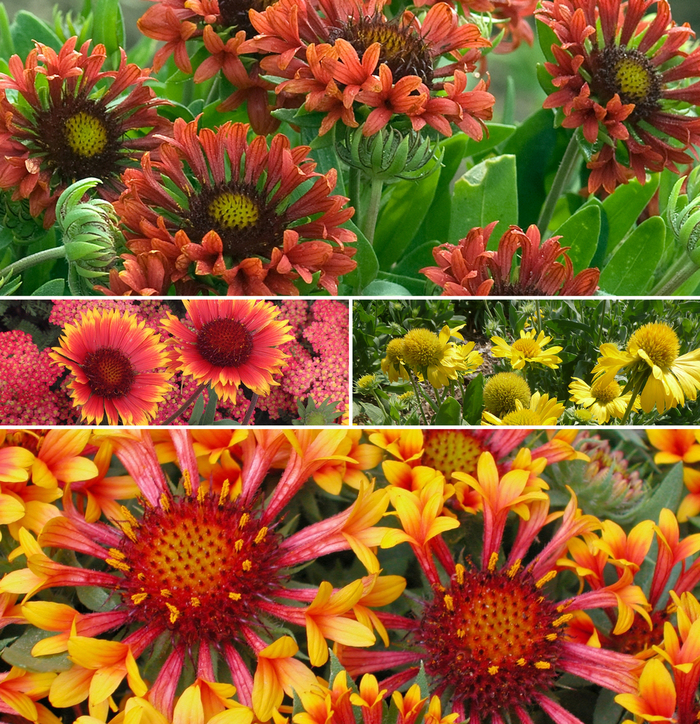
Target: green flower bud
x,y
388,155
323,414
17,222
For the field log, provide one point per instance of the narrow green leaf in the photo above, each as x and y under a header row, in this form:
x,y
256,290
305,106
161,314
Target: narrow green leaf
x,y
667,495
367,264
487,192
631,268
197,411
5,35
581,231
108,25
624,206
546,38
473,401
449,413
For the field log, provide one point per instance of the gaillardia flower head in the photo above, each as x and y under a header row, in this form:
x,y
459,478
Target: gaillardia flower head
x,y
502,390
529,349
654,367
83,126
234,342
346,55
603,401
254,217
469,270
492,636
393,363
112,358
623,78
202,566
541,410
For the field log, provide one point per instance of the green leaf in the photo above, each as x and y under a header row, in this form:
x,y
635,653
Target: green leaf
x,y
198,410
606,710
546,38
210,409
376,415
496,134
367,264
5,34
96,599
19,654
631,269
52,288
108,25
420,257
473,401
26,28
581,231
487,192
401,216
667,495
414,286
624,206
379,288
449,413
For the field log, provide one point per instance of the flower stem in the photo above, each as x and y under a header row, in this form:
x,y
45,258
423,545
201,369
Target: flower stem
x,y
635,393
251,409
418,398
354,187
569,160
369,218
679,273
539,318
58,252
185,404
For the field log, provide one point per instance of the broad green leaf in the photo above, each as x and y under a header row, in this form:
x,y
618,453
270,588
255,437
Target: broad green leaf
x,y
606,710
26,28
667,495
496,133
96,599
108,25
546,38
52,288
449,413
5,34
19,654
415,286
379,288
487,192
631,268
415,260
367,264
473,401
581,231
624,206
375,414
401,216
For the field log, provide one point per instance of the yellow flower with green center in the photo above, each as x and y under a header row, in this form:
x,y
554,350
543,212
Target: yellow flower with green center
x,y
602,400
529,349
654,366
436,357
539,411
393,364
503,390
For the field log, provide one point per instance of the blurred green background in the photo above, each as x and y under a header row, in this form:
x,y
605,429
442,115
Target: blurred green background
x,y
520,66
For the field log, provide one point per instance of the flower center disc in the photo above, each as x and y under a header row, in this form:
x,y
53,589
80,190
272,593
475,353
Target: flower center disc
x,y
225,343
109,372
85,134
492,637
451,450
631,75
401,48
605,394
659,341
522,417
502,390
198,566
234,13
421,348
234,211
528,348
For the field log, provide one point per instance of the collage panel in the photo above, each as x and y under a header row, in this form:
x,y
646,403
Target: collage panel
x,y
167,362
574,362
312,575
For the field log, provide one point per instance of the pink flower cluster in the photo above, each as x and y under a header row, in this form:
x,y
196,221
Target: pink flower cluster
x,y
67,311
27,376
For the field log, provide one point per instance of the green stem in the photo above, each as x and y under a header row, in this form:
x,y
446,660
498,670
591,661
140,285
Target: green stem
x,y
539,318
635,393
58,252
418,398
679,273
369,218
603,306
213,92
185,404
251,409
354,189
561,180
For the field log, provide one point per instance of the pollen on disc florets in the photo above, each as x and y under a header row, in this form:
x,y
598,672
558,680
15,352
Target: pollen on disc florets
x,y
492,637
659,341
395,351
198,565
421,348
451,451
224,343
109,372
502,390
402,49
527,347
522,417
607,393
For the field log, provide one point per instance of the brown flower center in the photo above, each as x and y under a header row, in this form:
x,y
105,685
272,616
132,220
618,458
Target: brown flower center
x,y
225,343
234,13
402,49
631,75
109,372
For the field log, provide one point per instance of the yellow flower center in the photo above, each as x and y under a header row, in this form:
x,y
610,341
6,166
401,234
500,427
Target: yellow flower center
x,y
605,394
502,390
395,351
422,348
451,450
522,417
234,211
659,341
109,372
85,134
528,348
633,79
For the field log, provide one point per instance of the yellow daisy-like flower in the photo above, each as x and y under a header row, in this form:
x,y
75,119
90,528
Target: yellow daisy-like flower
x,y
393,364
652,357
541,411
529,349
471,358
603,400
434,356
